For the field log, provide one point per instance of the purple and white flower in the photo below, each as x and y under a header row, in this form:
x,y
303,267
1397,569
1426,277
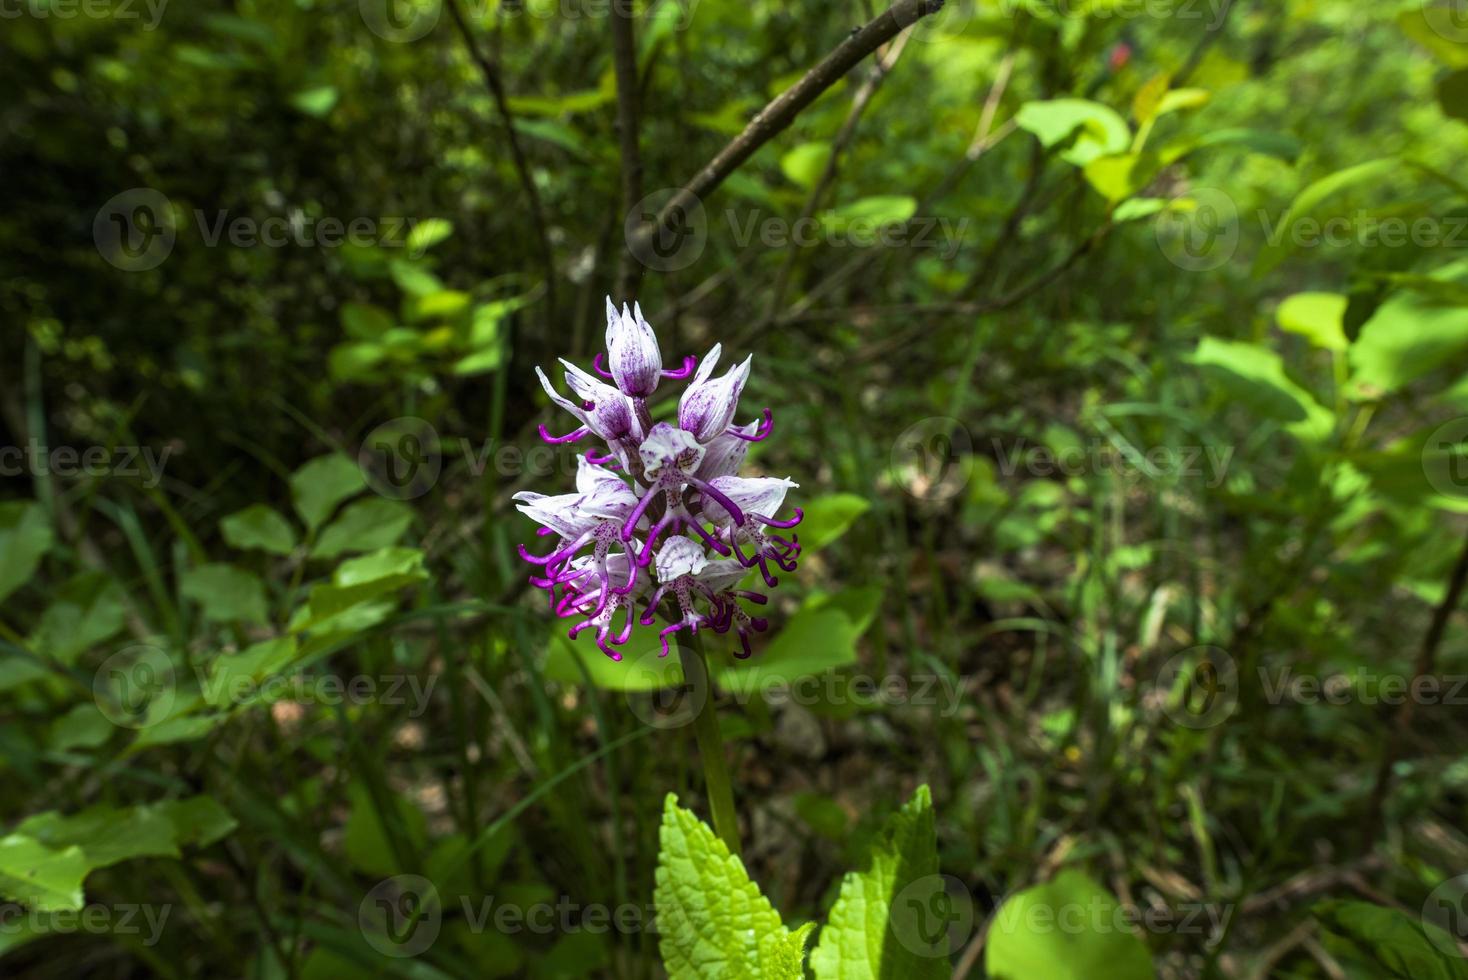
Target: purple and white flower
x,y
661,525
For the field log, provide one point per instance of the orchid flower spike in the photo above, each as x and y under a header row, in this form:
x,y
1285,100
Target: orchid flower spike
x,y
661,525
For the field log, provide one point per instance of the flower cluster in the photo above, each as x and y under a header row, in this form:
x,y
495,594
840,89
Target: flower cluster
x,y
660,523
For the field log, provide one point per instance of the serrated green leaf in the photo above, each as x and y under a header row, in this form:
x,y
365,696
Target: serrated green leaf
x,y
864,938
712,920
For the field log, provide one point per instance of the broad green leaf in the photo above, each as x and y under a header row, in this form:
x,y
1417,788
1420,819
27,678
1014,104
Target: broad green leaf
x,y
558,133
83,727
1099,129
1282,238
198,821
413,278
1137,208
428,233
812,642
442,304
869,935
235,678
864,218
40,877
1318,317
1260,141
1437,28
1393,944
640,669
859,604
226,594
363,321
1180,99
1452,94
25,537
87,610
1410,334
365,525
1256,378
323,483
804,164
171,731
259,526
1120,176
106,834
1068,929
363,580
318,101
712,920
829,517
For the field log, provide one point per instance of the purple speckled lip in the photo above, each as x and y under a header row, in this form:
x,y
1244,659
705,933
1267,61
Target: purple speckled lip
x,y
671,530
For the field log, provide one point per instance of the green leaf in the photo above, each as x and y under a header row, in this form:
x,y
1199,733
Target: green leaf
x,y
323,483
1120,176
1260,141
106,834
365,525
83,727
364,321
87,610
366,841
259,526
1452,94
428,233
1436,28
1099,129
813,642
235,677
35,875
1282,237
227,594
318,101
866,936
25,537
1392,943
638,670
712,920
363,580
1256,378
1064,930
1409,335
414,279
804,164
829,517
865,216
1318,317
199,821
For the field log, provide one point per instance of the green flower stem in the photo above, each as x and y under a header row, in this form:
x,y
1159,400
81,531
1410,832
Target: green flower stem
x,y
710,742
